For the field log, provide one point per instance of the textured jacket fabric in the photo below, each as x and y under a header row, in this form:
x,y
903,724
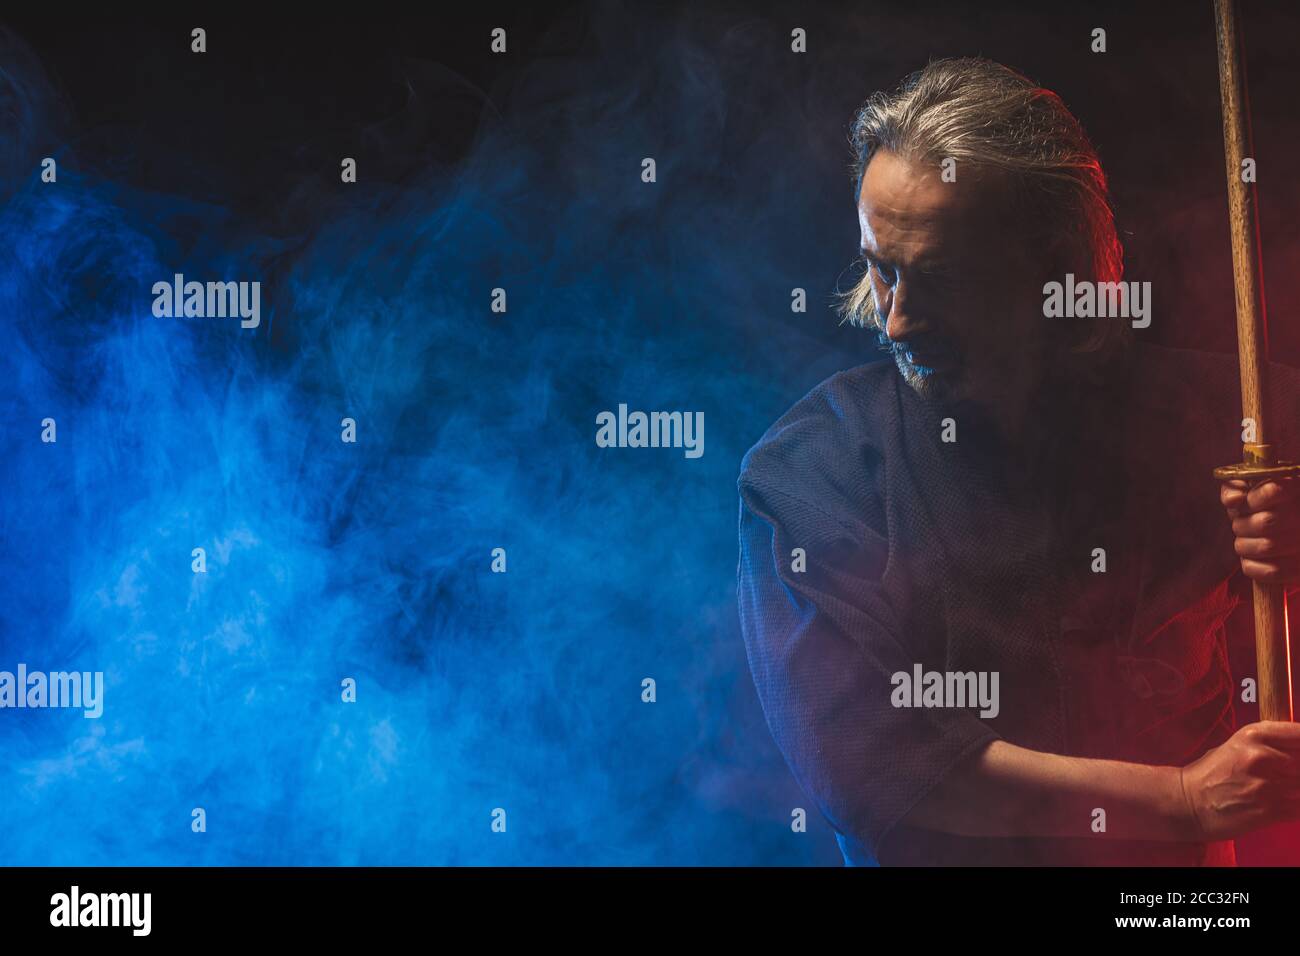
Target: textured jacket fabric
x,y
961,556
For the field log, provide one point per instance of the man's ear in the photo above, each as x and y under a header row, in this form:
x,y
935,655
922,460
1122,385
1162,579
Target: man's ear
x,y
1061,253
1058,255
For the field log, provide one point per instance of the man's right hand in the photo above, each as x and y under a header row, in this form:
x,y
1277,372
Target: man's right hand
x,y
1251,780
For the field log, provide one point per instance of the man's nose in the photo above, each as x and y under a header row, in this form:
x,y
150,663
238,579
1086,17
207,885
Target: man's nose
x,y
905,320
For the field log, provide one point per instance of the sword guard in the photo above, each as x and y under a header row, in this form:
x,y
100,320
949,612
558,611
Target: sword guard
x,y
1257,471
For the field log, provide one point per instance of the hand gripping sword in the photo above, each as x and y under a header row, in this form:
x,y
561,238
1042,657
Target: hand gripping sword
x,y
1258,463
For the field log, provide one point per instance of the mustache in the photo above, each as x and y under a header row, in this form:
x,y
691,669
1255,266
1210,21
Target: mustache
x,y
901,349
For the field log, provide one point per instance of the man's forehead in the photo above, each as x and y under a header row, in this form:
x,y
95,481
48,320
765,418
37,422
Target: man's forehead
x,y
900,198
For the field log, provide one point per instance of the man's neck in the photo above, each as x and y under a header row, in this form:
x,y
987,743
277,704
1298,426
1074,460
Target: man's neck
x,y
1016,430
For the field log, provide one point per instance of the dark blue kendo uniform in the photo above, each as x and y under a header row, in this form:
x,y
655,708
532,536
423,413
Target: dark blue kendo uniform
x,y
965,556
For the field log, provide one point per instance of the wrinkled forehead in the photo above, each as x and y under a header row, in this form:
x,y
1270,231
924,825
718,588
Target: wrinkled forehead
x,y
916,203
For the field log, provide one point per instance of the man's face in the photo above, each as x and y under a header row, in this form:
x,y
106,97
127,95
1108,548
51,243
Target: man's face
x,y
959,294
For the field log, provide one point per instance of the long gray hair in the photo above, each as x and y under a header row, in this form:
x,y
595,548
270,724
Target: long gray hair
x,y
983,114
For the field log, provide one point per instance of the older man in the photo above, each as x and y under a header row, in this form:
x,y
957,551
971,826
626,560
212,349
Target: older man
x,y
1019,502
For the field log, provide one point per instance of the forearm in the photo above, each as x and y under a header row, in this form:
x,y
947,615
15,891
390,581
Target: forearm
x,y
1007,791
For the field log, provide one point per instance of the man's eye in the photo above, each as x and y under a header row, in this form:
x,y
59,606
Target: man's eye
x,y
886,272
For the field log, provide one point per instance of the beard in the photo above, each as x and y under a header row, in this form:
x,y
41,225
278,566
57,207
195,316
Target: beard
x,y
938,387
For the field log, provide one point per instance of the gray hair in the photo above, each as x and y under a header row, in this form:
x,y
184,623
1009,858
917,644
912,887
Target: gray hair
x,y
987,116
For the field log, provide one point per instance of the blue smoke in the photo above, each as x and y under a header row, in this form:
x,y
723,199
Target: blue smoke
x,y
475,430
